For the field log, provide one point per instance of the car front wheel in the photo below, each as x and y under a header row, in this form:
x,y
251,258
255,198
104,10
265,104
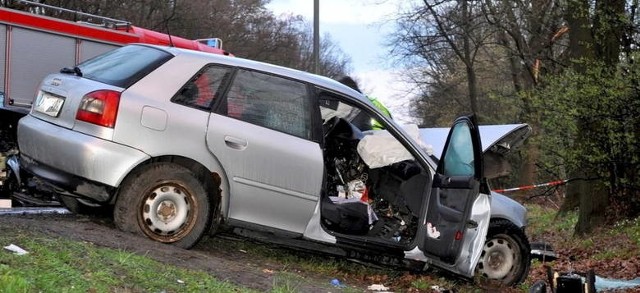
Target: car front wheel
x,y
506,254
165,202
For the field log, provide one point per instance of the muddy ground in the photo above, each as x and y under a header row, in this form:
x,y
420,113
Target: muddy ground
x,y
225,263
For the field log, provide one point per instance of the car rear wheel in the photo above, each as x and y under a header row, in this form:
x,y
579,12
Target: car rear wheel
x,y
165,202
506,254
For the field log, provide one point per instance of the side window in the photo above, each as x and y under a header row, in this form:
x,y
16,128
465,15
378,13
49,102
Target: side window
x,y
201,91
330,107
458,160
270,101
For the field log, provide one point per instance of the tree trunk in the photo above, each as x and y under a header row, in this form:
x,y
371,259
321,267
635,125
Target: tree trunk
x,y
468,58
580,48
601,41
580,39
593,199
609,27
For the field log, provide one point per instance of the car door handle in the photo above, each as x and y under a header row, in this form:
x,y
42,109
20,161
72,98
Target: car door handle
x,y
235,143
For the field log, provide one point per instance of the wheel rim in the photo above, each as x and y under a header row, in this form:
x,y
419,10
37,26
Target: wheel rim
x,y
500,258
167,212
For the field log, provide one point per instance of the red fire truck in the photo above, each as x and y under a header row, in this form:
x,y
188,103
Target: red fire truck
x,y
34,43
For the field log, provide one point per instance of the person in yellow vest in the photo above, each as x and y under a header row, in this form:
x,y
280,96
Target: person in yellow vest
x,y
348,81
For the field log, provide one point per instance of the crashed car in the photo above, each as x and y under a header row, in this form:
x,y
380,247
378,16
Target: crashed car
x,y
179,143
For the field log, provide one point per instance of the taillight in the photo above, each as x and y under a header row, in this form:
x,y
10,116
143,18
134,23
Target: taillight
x,y
99,107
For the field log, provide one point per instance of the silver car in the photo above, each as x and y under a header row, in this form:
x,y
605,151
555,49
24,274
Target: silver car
x,y
179,142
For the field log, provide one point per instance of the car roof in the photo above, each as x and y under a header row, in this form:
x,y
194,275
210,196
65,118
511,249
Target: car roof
x,y
319,80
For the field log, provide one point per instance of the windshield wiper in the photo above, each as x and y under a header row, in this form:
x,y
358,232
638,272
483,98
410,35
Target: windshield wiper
x,y
75,70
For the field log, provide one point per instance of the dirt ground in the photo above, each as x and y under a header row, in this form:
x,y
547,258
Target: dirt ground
x,y
225,263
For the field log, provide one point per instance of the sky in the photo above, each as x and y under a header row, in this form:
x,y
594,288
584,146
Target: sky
x,y
360,28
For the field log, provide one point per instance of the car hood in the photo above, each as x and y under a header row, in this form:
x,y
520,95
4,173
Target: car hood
x,y
497,141
495,138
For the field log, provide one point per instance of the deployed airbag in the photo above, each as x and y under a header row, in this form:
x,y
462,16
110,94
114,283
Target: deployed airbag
x,y
379,148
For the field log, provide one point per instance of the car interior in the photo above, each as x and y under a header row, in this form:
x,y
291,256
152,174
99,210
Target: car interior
x,y
382,203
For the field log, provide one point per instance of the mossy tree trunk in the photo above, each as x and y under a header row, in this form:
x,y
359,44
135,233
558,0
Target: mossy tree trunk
x,y
592,37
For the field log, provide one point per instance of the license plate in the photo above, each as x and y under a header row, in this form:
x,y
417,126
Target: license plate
x,y
49,104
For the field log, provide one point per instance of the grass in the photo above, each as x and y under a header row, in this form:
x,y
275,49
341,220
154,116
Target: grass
x,y
630,228
545,224
286,282
543,220
11,283
59,265
294,261
349,272
290,264
610,251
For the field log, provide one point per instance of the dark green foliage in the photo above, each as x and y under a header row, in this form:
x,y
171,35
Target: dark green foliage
x,y
591,125
583,114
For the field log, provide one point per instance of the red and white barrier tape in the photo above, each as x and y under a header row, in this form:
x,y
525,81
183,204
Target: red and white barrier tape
x,y
552,183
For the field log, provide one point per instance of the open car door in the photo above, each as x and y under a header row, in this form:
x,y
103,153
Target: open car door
x,y
458,214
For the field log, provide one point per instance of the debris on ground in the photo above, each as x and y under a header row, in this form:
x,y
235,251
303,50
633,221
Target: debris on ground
x,y
378,287
615,284
34,211
16,249
5,203
336,283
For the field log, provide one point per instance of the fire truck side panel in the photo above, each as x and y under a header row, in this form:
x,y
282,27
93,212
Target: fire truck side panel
x,y
89,49
33,54
3,46
32,46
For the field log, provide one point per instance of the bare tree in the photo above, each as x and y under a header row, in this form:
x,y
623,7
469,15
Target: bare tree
x,y
246,27
531,33
251,31
445,38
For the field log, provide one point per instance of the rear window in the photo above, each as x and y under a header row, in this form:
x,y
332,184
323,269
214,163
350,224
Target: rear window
x,y
124,66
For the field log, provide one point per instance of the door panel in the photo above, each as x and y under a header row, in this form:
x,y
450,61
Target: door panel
x,y
454,192
262,138
275,178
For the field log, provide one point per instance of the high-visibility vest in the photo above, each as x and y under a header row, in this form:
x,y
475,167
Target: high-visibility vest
x,y
374,123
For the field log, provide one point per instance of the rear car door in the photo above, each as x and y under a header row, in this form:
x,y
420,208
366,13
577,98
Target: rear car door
x,y
262,135
457,212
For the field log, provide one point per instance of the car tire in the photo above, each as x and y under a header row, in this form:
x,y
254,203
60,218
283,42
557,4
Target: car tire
x,y
78,207
165,202
506,255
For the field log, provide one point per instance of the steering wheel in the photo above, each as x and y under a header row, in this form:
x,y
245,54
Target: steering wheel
x,y
330,125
